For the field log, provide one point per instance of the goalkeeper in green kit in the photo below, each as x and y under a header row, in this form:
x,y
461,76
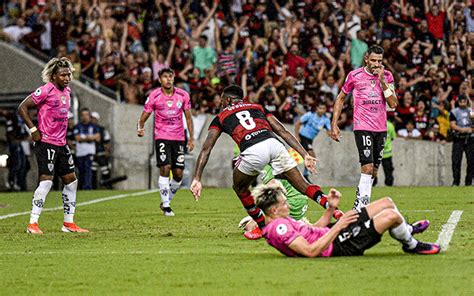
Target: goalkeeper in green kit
x,y
298,202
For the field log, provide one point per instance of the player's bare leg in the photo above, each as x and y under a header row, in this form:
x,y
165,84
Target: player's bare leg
x,y
378,206
391,219
312,191
69,203
241,186
164,186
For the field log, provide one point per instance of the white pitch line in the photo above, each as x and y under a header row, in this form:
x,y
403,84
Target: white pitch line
x,y
83,203
447,230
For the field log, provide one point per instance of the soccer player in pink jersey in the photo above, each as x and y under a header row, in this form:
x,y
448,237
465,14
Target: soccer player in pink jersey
x,y
351,235
168,103
372,89
52,101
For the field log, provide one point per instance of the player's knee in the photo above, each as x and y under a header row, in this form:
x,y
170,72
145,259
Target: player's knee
x,y
368,169
393,216
388,203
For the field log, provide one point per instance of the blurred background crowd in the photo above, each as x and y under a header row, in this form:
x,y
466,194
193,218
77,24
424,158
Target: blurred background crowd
x,y
287,55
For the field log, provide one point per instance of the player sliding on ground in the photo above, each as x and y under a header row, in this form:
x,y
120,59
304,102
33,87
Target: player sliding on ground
x,y
254,129
351,235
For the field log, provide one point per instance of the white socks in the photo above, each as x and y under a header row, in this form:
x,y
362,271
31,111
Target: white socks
x,y
69,201
174,186
39,198
364,191
402,233
164,185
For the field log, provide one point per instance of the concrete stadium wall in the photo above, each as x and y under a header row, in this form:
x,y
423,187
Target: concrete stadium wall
x,y
20,72
416,163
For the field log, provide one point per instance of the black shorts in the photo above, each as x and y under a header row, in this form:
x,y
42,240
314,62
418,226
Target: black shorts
x,y
53,159
357,237
370,146
170,153
306,143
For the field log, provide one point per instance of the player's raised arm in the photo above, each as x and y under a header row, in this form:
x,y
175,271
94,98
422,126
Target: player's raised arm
x,y
388,89
141,124
335,132
203,157
23,108
290,139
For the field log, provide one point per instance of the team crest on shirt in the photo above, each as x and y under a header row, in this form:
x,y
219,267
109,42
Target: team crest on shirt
x,y
50,167
372,83
70,160
169,103
163,157
63,100
179,104
37,91
281,229
367,152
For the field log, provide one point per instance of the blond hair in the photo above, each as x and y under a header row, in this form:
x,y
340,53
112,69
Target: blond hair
x,y
53,66
266,195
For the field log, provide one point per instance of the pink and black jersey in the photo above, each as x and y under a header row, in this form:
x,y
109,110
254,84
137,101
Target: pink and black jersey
x,y
281,232
53,105
246,123
370,113
168,113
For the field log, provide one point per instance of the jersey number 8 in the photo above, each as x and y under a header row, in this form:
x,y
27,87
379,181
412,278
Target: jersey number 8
x,y
246,120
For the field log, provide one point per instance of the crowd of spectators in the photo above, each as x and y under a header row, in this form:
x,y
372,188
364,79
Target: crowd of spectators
x,y
287,55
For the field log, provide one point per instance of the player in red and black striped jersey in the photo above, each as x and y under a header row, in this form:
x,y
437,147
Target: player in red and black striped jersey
x,y
254,130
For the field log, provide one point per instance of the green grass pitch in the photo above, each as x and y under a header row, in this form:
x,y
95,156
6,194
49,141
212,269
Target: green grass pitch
x,y
133,248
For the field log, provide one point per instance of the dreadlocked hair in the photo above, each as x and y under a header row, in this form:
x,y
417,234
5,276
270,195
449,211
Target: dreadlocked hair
x,y
53,66
266,195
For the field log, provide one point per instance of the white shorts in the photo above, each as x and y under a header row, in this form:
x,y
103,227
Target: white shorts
x,y
271,151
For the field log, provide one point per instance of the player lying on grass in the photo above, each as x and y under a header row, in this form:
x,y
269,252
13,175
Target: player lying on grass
x,y
351,235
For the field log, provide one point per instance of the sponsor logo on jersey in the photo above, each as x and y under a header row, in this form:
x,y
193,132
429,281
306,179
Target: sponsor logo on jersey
x,y
253,134
281,229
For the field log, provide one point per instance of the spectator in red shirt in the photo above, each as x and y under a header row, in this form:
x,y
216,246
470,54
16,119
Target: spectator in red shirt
x,y
435,17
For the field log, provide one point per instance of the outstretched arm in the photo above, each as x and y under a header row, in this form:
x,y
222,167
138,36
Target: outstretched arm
x,y
301,246
203,157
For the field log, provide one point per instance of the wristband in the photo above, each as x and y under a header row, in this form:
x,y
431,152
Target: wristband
x,y
33,129
387,93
